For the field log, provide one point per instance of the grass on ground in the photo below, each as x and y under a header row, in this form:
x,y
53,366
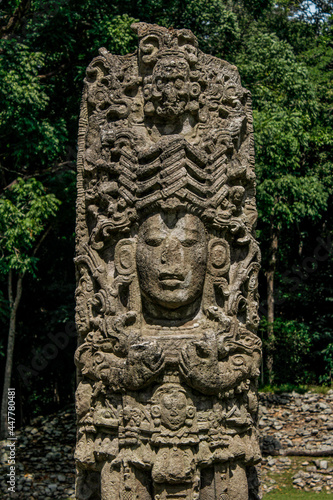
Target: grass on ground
x,y
300,389
288,493
283,481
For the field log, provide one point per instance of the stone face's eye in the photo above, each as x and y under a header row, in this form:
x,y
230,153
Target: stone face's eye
x,y
153,242
167,402
189,242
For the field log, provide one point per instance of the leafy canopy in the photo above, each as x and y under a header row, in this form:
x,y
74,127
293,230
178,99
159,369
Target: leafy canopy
x,y
24,211
285,112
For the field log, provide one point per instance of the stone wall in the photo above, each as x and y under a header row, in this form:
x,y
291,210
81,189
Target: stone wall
x,y
297,441
293,424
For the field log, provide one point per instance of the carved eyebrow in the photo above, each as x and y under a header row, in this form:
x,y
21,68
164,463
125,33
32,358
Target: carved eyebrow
x,y
151,232
194,232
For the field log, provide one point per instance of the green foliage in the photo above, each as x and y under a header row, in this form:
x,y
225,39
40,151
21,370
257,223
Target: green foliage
x,y
25,208
289,199
285,110
29,132
269,67
115,32
293,131
292,342
214,23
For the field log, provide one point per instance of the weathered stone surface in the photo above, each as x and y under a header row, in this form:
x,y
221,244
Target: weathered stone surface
x,y
34,471
167,268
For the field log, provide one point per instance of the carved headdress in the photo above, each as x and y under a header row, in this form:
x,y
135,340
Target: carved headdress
x,y
162,135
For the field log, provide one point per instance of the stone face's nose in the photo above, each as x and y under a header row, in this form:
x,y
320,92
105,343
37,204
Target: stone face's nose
x,y
171,253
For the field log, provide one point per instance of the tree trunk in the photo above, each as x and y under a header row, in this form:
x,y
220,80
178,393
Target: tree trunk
x,y
14,303
270,274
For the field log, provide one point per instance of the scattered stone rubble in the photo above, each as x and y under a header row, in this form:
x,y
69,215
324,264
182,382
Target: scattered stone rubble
x,y
299,426
316,477
294,424
289,424
44,459
309,475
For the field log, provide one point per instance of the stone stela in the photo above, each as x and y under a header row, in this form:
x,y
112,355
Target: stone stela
x,y
167,266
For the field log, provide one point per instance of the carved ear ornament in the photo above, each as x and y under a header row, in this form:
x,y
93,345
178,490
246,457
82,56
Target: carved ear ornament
x,y
218,257
124,257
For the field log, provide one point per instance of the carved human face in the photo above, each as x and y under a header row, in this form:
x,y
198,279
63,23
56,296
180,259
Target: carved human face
x,y
171,259
237,195
171,87
173,409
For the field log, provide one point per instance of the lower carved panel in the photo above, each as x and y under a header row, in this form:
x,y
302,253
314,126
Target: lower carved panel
x,y
166,443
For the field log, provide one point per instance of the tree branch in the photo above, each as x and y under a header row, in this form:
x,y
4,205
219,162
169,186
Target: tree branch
x,y
54,72
16,19
41,240
65,166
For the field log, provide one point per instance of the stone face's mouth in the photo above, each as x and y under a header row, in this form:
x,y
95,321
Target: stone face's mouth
x,y
171,109
171,281
171,277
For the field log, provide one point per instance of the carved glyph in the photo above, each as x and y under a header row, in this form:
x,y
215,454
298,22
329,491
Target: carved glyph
x,y
167,266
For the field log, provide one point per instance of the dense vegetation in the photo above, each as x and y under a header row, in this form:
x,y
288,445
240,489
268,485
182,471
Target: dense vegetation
x,y
284,52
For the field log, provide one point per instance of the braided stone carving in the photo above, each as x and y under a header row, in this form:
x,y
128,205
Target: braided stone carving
x,y
167,266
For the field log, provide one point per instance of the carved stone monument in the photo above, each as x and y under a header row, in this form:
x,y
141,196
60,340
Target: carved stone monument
x,y
167,266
